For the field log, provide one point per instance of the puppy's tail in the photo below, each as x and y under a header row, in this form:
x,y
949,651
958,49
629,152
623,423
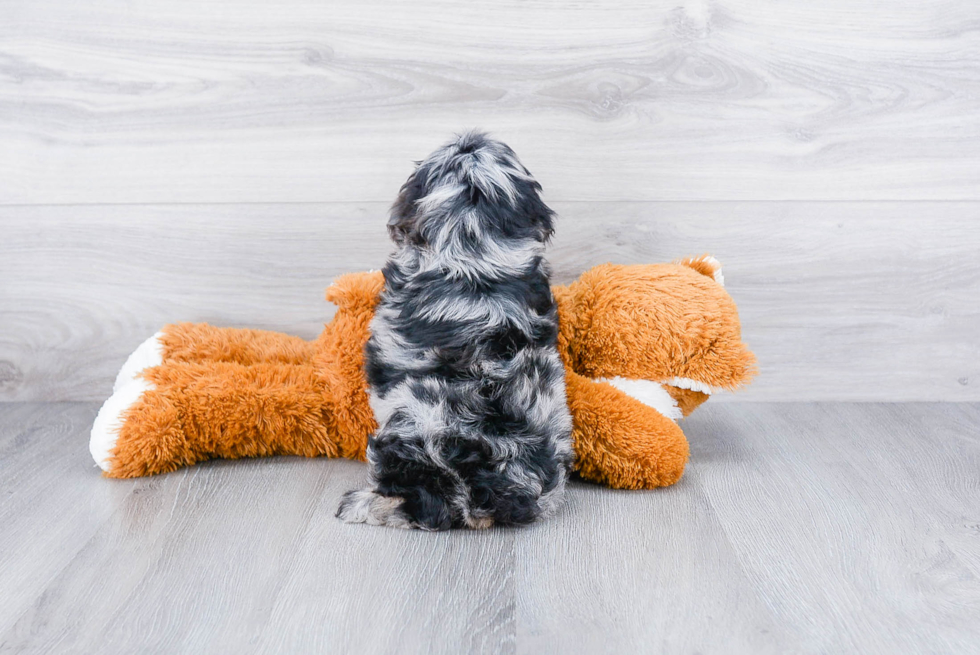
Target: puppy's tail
x,y
367,506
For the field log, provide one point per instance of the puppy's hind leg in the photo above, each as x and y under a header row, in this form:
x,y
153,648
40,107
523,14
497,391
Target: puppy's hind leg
x,y
368,506
417,509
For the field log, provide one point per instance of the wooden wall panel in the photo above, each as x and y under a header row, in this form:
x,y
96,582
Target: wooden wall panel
x,y
257,101
841,301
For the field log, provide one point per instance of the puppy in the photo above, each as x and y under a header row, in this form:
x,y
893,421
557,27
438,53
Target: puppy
x,y
462,363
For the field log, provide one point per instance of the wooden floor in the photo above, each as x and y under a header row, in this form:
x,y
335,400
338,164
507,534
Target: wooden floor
x,y
798,527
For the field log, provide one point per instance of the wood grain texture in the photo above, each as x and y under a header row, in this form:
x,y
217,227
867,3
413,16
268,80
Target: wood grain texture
x,y
840,301
889,525
230,557
798,527
814,528
52,500
254,101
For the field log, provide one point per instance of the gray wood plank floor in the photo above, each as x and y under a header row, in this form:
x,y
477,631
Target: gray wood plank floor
x,y
798,527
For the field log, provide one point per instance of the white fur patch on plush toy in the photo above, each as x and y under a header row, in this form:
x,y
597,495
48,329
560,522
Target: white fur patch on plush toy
x,y
147,355
693,385
649,393
105,430
708,262
717,275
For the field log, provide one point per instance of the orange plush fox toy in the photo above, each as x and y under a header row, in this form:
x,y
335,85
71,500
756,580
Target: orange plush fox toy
x,y
642,346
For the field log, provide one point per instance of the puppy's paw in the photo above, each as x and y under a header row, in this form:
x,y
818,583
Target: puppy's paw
x,y
147,355
481,523
105,430
366,506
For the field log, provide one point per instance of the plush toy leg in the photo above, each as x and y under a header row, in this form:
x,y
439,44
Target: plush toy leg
x,y
191,342
200,342
619,441
181,413
147,355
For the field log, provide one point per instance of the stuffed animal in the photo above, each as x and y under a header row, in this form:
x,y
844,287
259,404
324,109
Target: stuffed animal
x,y
643,346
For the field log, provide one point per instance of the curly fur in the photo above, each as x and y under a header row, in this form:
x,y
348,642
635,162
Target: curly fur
x,y
462,364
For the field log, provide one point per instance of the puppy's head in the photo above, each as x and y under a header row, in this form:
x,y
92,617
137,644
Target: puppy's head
x,y
472,184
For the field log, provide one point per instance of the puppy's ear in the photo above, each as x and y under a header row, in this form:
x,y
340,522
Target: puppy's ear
x,y
538,215
403,217
544,221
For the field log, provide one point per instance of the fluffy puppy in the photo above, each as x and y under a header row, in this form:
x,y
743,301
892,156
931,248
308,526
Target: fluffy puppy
x,y
464,374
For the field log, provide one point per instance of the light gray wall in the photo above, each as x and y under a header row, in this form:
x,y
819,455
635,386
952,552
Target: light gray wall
x,y
223,161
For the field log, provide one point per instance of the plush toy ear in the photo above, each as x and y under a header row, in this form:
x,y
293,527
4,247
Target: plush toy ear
x,y
619,441
357,290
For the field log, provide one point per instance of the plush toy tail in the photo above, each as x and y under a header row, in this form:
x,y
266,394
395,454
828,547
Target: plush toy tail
x,y
705,265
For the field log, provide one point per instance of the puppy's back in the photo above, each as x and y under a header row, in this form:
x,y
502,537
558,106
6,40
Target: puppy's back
x,y
464,374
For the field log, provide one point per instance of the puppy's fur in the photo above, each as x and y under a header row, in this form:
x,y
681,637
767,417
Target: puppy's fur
x,y
464,374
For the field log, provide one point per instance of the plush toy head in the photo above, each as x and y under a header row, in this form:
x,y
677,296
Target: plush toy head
x,y
643,346
665,323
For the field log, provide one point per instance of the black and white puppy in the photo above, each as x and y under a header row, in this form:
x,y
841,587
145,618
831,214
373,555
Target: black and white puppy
x,y
464,374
